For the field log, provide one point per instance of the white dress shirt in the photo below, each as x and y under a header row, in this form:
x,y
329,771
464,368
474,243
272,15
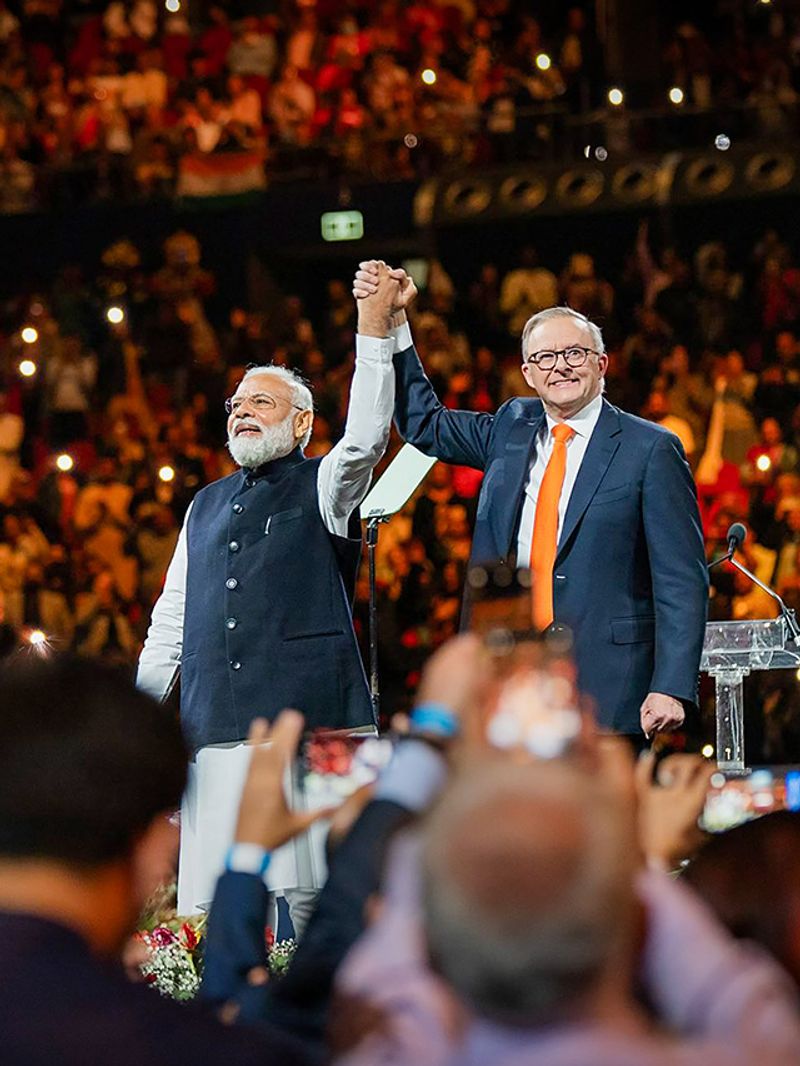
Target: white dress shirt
x,y
343,480
583,424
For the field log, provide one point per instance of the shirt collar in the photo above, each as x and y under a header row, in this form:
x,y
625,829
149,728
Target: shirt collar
x,y
584,421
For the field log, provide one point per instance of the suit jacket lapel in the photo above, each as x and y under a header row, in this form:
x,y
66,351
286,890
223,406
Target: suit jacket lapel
x,y
519,449
599,453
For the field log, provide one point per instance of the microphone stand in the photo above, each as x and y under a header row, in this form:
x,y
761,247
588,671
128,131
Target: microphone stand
x,y
787,613
374,690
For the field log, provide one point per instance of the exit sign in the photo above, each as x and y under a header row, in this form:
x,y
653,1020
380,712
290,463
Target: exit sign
x,y
342,226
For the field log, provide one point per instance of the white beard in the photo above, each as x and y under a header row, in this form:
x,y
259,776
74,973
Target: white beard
x,y
273,443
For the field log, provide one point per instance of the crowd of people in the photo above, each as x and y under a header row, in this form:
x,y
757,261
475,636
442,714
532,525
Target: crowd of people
x,y
112,99
482,905
119,423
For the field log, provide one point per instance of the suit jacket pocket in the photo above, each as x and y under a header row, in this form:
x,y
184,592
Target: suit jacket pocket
x,y
621,492
280,517
633,630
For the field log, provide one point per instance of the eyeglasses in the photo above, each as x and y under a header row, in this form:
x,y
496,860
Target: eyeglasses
x,y
574,356
260,401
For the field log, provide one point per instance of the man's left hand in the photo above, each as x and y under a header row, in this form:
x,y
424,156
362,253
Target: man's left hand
x,y
661,714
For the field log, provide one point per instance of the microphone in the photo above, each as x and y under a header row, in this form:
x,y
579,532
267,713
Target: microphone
x,y
737,535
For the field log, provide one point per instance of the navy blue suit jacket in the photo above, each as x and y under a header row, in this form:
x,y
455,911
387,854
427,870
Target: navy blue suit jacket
x,y
630,577
297,1003
63,1006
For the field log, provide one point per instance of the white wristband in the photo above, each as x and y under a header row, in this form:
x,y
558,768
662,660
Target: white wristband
x,y
248,859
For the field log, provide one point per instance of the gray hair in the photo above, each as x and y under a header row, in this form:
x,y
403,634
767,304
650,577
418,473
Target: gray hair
x,y
527,888
300,392
562,312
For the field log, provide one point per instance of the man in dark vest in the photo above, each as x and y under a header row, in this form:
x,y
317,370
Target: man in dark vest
x,y
255,612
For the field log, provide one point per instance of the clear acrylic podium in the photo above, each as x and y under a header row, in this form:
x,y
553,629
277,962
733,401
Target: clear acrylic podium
x,y
731,650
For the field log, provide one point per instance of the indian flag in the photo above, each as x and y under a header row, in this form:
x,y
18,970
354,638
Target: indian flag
x,y
225,174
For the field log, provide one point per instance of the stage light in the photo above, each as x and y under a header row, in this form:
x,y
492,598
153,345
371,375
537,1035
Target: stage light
x,y
30,335
763,463
37,638
707,751
173,6
722,142
543,61
36,308
675,95
115,315
27,368
65,462
587,151
601,154
411,140
616,97
428,76
167,473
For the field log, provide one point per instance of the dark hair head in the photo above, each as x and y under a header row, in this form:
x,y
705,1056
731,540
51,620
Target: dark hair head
x,y
86,761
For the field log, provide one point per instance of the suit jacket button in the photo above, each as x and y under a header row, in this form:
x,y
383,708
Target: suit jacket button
x,y
561,577
231,623
234,545
237,508
236,665
231,583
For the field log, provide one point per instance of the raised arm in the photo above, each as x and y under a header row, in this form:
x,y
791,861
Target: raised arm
x,y
346,471
460,437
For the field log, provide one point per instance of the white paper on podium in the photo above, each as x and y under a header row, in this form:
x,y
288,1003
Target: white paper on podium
x,y
397,484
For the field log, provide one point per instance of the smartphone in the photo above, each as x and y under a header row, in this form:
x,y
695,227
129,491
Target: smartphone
x,y
732,801
333,765
536,706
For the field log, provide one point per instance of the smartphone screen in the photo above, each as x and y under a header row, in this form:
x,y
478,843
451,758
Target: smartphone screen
x,y
334,765
732,801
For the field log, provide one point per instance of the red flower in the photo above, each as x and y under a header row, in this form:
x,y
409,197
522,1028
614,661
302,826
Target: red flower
x,y
269,937
163,937
190,936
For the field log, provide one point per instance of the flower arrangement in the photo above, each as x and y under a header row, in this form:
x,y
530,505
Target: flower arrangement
x,y
280,955
174,956
173,948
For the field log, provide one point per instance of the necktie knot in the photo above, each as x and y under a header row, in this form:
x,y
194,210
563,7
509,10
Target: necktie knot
x,y
561,432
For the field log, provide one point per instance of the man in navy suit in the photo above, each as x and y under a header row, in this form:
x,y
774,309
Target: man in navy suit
x,y
629,575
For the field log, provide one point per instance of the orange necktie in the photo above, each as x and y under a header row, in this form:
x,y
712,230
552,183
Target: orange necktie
x,y
545,527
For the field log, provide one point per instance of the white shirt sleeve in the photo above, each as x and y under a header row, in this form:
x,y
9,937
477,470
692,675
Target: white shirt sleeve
x,y
160,660
345,472
402,337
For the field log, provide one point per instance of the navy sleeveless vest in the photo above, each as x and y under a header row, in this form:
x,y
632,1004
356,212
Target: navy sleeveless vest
x,y
267,621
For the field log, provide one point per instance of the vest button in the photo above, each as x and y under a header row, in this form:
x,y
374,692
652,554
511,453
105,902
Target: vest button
x,y
231,623
249,481
231,583
236,665
237,508
234,545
